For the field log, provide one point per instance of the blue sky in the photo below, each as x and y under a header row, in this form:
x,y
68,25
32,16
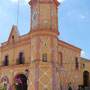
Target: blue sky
x,y
74,21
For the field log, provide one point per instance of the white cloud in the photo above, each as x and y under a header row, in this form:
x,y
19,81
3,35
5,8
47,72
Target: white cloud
x,y
20,1
14,1
82,17
61,1
26,1
82,53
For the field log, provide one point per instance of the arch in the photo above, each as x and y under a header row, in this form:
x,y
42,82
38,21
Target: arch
x,y
23,78
21,51
3,78
19,74
86,78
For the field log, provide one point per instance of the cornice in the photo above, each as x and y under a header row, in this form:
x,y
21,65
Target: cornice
x,y
67,45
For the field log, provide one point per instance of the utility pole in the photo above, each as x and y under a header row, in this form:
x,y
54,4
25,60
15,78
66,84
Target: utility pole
x,y
18,13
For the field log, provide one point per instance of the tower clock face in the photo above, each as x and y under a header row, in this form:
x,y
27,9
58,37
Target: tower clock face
x,y
34,17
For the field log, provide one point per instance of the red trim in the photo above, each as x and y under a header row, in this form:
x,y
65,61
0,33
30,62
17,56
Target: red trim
x,y
14,66
38,48
45,30
51,14
16,42
52,47
60,79
15,47
37,75
10,34
44,34
23,35
33,1
56,2
53,64
20,74
38,14
45,2
13,28
37,64
61,43
68,44
26,39
30,51
54,76
57,17
70,48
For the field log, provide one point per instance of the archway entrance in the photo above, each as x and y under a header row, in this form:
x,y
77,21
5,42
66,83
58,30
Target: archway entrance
x,y
22,86
86,78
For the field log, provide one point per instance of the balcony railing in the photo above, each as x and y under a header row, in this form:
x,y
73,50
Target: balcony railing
x,y
20,61
5,63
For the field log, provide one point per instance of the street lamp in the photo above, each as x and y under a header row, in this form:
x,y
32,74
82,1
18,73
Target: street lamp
x,y
26,71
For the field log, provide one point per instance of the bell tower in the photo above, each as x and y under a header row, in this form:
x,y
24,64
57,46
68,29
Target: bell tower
x,y
44,14
44,45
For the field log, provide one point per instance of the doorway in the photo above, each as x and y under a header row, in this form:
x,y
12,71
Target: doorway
x,y
22,86
86,78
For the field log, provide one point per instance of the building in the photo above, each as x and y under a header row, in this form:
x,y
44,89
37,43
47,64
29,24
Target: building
x,y
86,71
39,58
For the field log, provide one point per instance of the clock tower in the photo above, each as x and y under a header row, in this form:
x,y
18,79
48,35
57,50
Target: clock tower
x,y
44,45
44,14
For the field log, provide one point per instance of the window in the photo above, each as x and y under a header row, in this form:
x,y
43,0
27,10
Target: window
x,y
12,37
60,58
21,58
44,57
76,63
4,80
6,61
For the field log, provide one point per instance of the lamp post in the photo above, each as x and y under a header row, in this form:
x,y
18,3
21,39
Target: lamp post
x,y
26,71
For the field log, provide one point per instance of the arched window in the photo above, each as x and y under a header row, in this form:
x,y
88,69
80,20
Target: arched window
x,y
60,58
6,61
76,63
21,58
13,38
5,80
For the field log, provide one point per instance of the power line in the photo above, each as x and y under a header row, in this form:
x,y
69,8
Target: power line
x,y
18,13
